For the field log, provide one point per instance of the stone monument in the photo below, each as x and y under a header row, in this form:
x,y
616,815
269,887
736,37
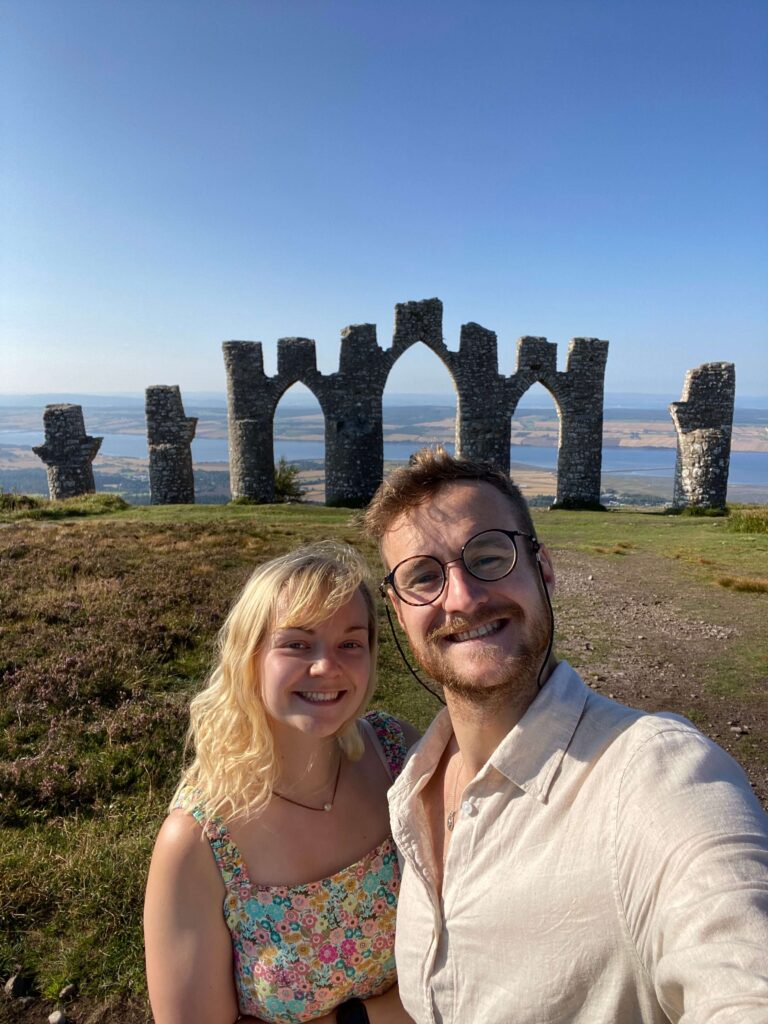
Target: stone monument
x,y
68,452
704,423
169,435
351,402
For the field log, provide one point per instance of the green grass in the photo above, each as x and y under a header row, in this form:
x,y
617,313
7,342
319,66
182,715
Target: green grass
x,y
749,519
14,507
108,624
706,544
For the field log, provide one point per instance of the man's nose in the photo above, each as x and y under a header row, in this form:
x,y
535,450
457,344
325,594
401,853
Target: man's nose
x,y
463,591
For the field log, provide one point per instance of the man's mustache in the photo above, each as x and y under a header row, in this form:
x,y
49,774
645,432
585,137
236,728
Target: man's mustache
x,y
462,624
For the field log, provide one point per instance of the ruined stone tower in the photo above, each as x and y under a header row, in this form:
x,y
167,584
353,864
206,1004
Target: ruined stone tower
x,y
351,401
68,452
704,423
169,435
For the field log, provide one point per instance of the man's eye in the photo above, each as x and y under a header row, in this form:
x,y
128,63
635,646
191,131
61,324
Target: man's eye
x,y
423,579
486,562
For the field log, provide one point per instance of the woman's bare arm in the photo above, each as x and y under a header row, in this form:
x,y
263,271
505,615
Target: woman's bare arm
x,y
386,1009
188,946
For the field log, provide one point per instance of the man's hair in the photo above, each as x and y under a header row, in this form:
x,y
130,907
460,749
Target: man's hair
x,y
429,470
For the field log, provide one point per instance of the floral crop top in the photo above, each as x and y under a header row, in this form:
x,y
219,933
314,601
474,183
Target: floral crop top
x,y
301,950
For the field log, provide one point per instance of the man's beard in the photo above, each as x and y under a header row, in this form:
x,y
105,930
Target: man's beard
x,y
516,675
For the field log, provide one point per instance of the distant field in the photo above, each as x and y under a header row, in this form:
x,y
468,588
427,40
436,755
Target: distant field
x,y
107,625
624,429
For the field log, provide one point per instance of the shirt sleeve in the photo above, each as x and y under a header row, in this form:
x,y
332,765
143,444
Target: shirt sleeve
x,y
691,849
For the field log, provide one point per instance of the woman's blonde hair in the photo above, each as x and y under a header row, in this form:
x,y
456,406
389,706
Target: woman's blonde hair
x,y
234,769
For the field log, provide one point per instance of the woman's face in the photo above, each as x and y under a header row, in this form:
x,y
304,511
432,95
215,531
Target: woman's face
x,y
315,679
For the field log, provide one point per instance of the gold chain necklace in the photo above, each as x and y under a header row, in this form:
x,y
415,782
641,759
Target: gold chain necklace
x,y
327,806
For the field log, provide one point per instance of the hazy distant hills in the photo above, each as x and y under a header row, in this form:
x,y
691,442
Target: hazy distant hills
x,y
620,400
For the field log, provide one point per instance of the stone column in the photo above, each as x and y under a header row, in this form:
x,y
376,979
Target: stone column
x,y
251,408
169,435
354,431
579,395
483,426
704,423
68,452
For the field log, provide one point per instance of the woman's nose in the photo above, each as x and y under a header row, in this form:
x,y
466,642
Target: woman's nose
x,y
325,664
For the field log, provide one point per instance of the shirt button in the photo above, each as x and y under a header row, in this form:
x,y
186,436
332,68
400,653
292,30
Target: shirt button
x,y
468,807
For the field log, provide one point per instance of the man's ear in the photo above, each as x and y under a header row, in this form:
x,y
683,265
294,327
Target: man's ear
x,y
397,605
544,559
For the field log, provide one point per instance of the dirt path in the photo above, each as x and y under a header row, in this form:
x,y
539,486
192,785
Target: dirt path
x,y
633,627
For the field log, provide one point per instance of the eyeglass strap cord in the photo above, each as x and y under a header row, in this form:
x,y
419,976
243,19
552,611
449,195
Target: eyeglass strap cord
x,y
408,665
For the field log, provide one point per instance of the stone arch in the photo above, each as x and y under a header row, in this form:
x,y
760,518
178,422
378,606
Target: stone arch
x,y
548,400
447,379
351,400
309,408
578,396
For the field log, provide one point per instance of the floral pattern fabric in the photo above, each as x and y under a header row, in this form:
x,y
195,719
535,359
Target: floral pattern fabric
x,y
301,950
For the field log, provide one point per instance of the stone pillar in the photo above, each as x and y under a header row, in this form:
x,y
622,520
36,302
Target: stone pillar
x,y
169,435
579,395
483,427
251,409
68,452
354,428
704,422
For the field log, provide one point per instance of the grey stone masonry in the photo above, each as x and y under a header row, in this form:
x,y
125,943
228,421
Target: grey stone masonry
x,y
704,423
68,452
351,401
169,436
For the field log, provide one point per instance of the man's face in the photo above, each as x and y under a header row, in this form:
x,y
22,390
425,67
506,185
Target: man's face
x,y
510,615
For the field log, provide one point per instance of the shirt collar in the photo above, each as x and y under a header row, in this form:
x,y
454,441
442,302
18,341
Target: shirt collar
x,y
529,755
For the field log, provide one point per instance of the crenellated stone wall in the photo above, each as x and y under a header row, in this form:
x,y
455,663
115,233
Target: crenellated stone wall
x,y
169,437
68,452
351,401
704,423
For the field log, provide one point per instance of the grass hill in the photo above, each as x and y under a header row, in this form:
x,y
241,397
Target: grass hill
x,y
108,624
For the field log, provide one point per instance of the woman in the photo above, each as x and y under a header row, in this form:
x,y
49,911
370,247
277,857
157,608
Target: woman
x,y
288,787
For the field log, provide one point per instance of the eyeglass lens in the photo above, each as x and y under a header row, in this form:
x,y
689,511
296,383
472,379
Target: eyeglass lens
x,y
488,556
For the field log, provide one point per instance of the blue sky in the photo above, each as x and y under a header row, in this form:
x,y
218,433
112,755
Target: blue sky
x,y
179,172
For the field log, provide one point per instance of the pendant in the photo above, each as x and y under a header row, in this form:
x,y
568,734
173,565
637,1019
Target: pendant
x,y
451,821
327,807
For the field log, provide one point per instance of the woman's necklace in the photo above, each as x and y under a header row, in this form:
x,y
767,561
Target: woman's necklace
x,y
450,821
328,806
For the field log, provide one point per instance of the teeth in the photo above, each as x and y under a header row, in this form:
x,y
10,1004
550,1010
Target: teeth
x,y
473,634
320,695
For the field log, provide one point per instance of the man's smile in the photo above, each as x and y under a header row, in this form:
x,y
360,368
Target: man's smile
x,y
487,629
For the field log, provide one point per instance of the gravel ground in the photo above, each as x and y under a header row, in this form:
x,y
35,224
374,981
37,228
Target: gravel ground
x,y
623,623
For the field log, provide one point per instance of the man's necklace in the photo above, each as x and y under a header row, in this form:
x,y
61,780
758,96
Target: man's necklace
x,y
450,821
328,806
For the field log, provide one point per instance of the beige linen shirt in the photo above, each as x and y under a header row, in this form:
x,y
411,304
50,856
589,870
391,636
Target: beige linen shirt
x,y
607,867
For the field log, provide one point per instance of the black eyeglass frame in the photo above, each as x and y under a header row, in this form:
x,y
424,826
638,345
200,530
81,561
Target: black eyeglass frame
x,y
389,579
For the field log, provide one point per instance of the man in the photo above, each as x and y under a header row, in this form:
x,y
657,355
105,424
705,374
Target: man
x,y
566,859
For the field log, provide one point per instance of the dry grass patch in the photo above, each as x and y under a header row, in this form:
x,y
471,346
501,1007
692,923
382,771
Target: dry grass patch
x,y
744,584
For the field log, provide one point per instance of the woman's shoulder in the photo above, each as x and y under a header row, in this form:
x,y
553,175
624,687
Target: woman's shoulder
x,y
181,848
395,735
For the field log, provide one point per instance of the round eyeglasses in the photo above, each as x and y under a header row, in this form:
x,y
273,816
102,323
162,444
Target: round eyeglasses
x,y
489,555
